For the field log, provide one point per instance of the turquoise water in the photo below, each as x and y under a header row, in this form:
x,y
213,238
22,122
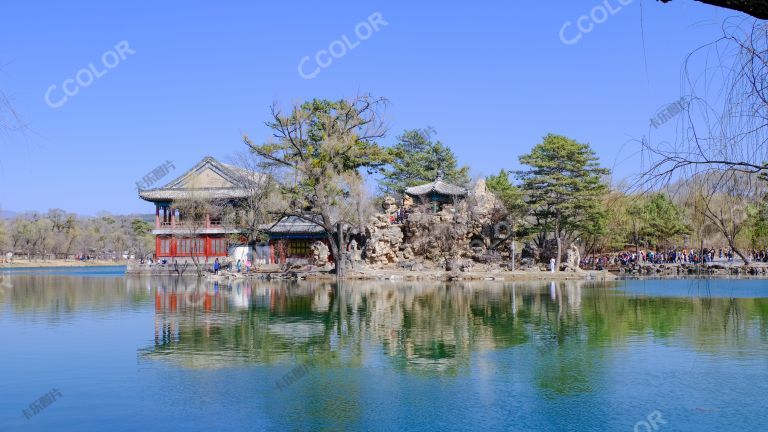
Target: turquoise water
x,y
156,354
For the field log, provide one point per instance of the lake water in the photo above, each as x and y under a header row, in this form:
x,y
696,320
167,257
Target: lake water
x,y
141,354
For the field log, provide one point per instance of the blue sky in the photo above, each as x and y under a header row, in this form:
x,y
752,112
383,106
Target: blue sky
x,y
491,77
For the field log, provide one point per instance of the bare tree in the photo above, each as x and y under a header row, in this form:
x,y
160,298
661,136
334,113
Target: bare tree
x,y
10,120
726,123
30,234
263,200
756,8
720,202
3,238
194,213
358,205
720,150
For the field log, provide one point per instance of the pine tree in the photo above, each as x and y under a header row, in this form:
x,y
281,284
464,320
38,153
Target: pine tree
x,y
508,194
416,159
564,189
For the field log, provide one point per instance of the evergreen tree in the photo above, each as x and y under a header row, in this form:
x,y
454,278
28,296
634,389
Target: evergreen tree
x,y
564,189
417,159
510,195
662,221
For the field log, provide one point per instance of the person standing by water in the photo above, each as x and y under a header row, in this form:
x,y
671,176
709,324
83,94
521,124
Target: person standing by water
x,y
552,265
239,265
216,266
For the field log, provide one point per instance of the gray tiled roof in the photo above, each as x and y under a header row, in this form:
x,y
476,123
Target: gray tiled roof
x,y
238,182
438,186
295,225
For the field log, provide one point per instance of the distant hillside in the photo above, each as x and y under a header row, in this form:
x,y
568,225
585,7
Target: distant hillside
x,y
146,217
7,214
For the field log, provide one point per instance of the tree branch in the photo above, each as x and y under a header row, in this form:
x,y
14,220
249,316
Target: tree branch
x,y
756,8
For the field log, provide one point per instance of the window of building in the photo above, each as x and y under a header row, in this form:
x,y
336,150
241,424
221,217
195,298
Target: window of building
x,y
165,246
218,246
300,248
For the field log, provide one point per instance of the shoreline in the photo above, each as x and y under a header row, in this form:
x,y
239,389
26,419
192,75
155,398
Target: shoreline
x,y
40,264
405,275
663,271
671,271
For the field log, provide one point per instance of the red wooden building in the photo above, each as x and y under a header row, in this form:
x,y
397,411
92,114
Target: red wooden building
x,y
176,234
291,239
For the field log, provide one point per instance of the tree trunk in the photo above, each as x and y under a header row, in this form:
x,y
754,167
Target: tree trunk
x,y
335,250
559,252
340,259
738,252
758,9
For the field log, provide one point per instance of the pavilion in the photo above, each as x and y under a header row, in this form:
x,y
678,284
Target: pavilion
x,y
436,193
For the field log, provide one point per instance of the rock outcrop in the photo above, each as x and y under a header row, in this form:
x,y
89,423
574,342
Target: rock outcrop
x,y
573,258
456,233
320,254
384,241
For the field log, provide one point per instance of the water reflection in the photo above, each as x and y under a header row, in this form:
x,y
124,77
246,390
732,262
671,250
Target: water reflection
x,y
433,328
52,296
485,355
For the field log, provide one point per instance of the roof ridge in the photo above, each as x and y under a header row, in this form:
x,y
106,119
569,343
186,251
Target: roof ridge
x,y
217,166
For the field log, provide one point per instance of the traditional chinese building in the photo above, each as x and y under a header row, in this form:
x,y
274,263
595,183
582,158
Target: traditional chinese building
x,y
291,239
183,235
436,194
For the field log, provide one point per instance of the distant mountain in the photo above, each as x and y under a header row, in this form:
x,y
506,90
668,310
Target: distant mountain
x,y
7,214
146,217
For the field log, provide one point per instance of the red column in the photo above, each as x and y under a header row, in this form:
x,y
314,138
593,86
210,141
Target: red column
x,y
207,302
157,216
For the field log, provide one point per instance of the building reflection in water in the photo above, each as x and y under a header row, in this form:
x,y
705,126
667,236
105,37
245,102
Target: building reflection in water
x,y
558,329
434,328
422,327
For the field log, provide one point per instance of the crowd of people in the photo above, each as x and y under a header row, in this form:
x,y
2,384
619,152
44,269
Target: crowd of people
x,y
672,256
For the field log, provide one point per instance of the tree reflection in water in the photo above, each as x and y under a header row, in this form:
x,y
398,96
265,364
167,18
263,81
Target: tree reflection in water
x,y
559,332
434,328
481,355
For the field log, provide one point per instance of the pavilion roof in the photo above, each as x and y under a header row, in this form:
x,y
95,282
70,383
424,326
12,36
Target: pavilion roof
x,y
296,225
208,179
438,186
